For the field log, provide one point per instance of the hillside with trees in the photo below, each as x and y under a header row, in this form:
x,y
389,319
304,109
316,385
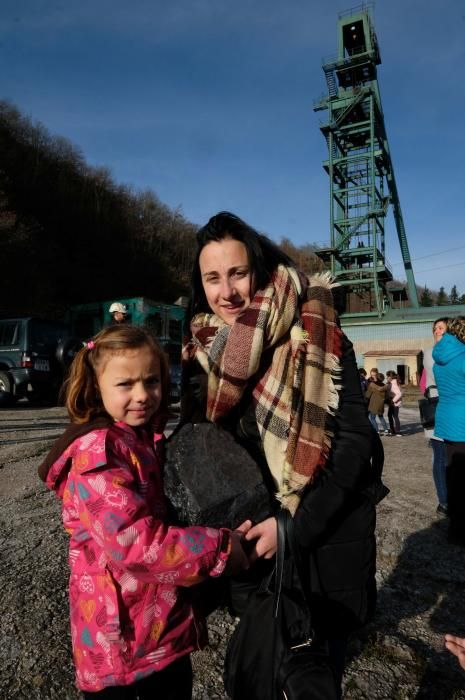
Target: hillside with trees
x,y
69,234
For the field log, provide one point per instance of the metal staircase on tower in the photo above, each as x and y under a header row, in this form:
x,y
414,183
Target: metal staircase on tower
x,y
361,174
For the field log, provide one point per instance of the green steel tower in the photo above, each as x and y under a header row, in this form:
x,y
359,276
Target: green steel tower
x,y
359,165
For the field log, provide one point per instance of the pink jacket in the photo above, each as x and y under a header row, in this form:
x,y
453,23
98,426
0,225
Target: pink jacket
x,y
130,613
423,381
394,392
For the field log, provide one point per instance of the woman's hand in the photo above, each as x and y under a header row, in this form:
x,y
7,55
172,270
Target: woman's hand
x,y
457,646
266,536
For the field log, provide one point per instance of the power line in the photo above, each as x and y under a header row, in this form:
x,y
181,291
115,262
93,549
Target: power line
x,y
442,267
423,257
433,255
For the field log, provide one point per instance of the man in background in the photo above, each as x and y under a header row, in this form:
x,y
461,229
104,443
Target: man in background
x,y
119,313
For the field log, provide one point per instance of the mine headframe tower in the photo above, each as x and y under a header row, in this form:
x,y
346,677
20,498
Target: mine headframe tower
x,y
359,165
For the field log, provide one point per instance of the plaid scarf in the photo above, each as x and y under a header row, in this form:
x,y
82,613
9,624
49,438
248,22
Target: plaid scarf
x,y
295,316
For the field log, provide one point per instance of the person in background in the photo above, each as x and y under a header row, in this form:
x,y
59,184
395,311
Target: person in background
x,y
394,396
373,375
267,361
133,624
429,389
376,397
119,313
449,372
363,379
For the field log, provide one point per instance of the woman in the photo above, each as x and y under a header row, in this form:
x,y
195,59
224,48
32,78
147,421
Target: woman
x,y
268,361
429,389
394,394
449,372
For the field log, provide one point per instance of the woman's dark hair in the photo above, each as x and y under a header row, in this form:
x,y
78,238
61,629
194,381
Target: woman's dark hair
x,y
263,255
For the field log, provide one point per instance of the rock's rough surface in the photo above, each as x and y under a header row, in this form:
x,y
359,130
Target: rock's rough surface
x,y
210,479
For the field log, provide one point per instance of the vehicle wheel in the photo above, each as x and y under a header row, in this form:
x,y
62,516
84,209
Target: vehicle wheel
x,y
66,351
6,389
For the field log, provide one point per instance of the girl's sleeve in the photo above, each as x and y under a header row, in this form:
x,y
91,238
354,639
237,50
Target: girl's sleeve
x,y
348,470
116,515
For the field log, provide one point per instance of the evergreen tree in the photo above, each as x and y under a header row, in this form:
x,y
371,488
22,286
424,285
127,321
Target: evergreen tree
x,y
442,298
426,299
454,295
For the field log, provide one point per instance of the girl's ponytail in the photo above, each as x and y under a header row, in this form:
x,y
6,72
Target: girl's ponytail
x,y
81,389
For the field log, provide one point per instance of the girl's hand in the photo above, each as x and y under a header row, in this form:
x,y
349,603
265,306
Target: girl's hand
x,y
457,646
238,559
244,527
266,536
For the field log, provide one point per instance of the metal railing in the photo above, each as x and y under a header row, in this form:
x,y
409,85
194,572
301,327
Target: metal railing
x,y
364,7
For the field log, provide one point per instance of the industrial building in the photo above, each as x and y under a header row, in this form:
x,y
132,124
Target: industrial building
x,y
384,321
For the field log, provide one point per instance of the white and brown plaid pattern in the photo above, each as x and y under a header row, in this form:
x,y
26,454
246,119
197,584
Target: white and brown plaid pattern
x,y
295,316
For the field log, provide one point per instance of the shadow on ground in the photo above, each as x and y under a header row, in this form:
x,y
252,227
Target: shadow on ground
x,y
428,580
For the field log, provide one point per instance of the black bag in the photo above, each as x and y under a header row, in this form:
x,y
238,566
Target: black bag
x,y
427,408
272,653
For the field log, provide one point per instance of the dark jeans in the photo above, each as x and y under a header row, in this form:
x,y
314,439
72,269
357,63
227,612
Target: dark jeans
x,y
440,470
456,488
393,417
172,683
382,420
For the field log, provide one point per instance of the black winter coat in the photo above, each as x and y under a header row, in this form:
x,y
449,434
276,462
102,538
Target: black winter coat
x,y
335,521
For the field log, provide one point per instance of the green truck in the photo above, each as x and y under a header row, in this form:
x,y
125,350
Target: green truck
x,y
164,320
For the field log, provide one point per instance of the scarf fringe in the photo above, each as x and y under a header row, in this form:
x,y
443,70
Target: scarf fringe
x,y
335,384
290,497
324,279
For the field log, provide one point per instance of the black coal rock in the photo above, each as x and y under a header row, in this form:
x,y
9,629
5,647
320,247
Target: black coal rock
x,y
211,480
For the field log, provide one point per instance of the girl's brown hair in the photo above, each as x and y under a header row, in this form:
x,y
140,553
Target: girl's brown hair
x,y
82,397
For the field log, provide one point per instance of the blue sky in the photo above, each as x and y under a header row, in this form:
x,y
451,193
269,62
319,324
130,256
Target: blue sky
x,y
210,104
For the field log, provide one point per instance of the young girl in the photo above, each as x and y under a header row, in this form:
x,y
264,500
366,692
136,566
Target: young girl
x,y
132,623
394,394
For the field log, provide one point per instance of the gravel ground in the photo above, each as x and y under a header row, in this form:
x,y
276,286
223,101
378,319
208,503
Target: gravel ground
x,y
398,656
